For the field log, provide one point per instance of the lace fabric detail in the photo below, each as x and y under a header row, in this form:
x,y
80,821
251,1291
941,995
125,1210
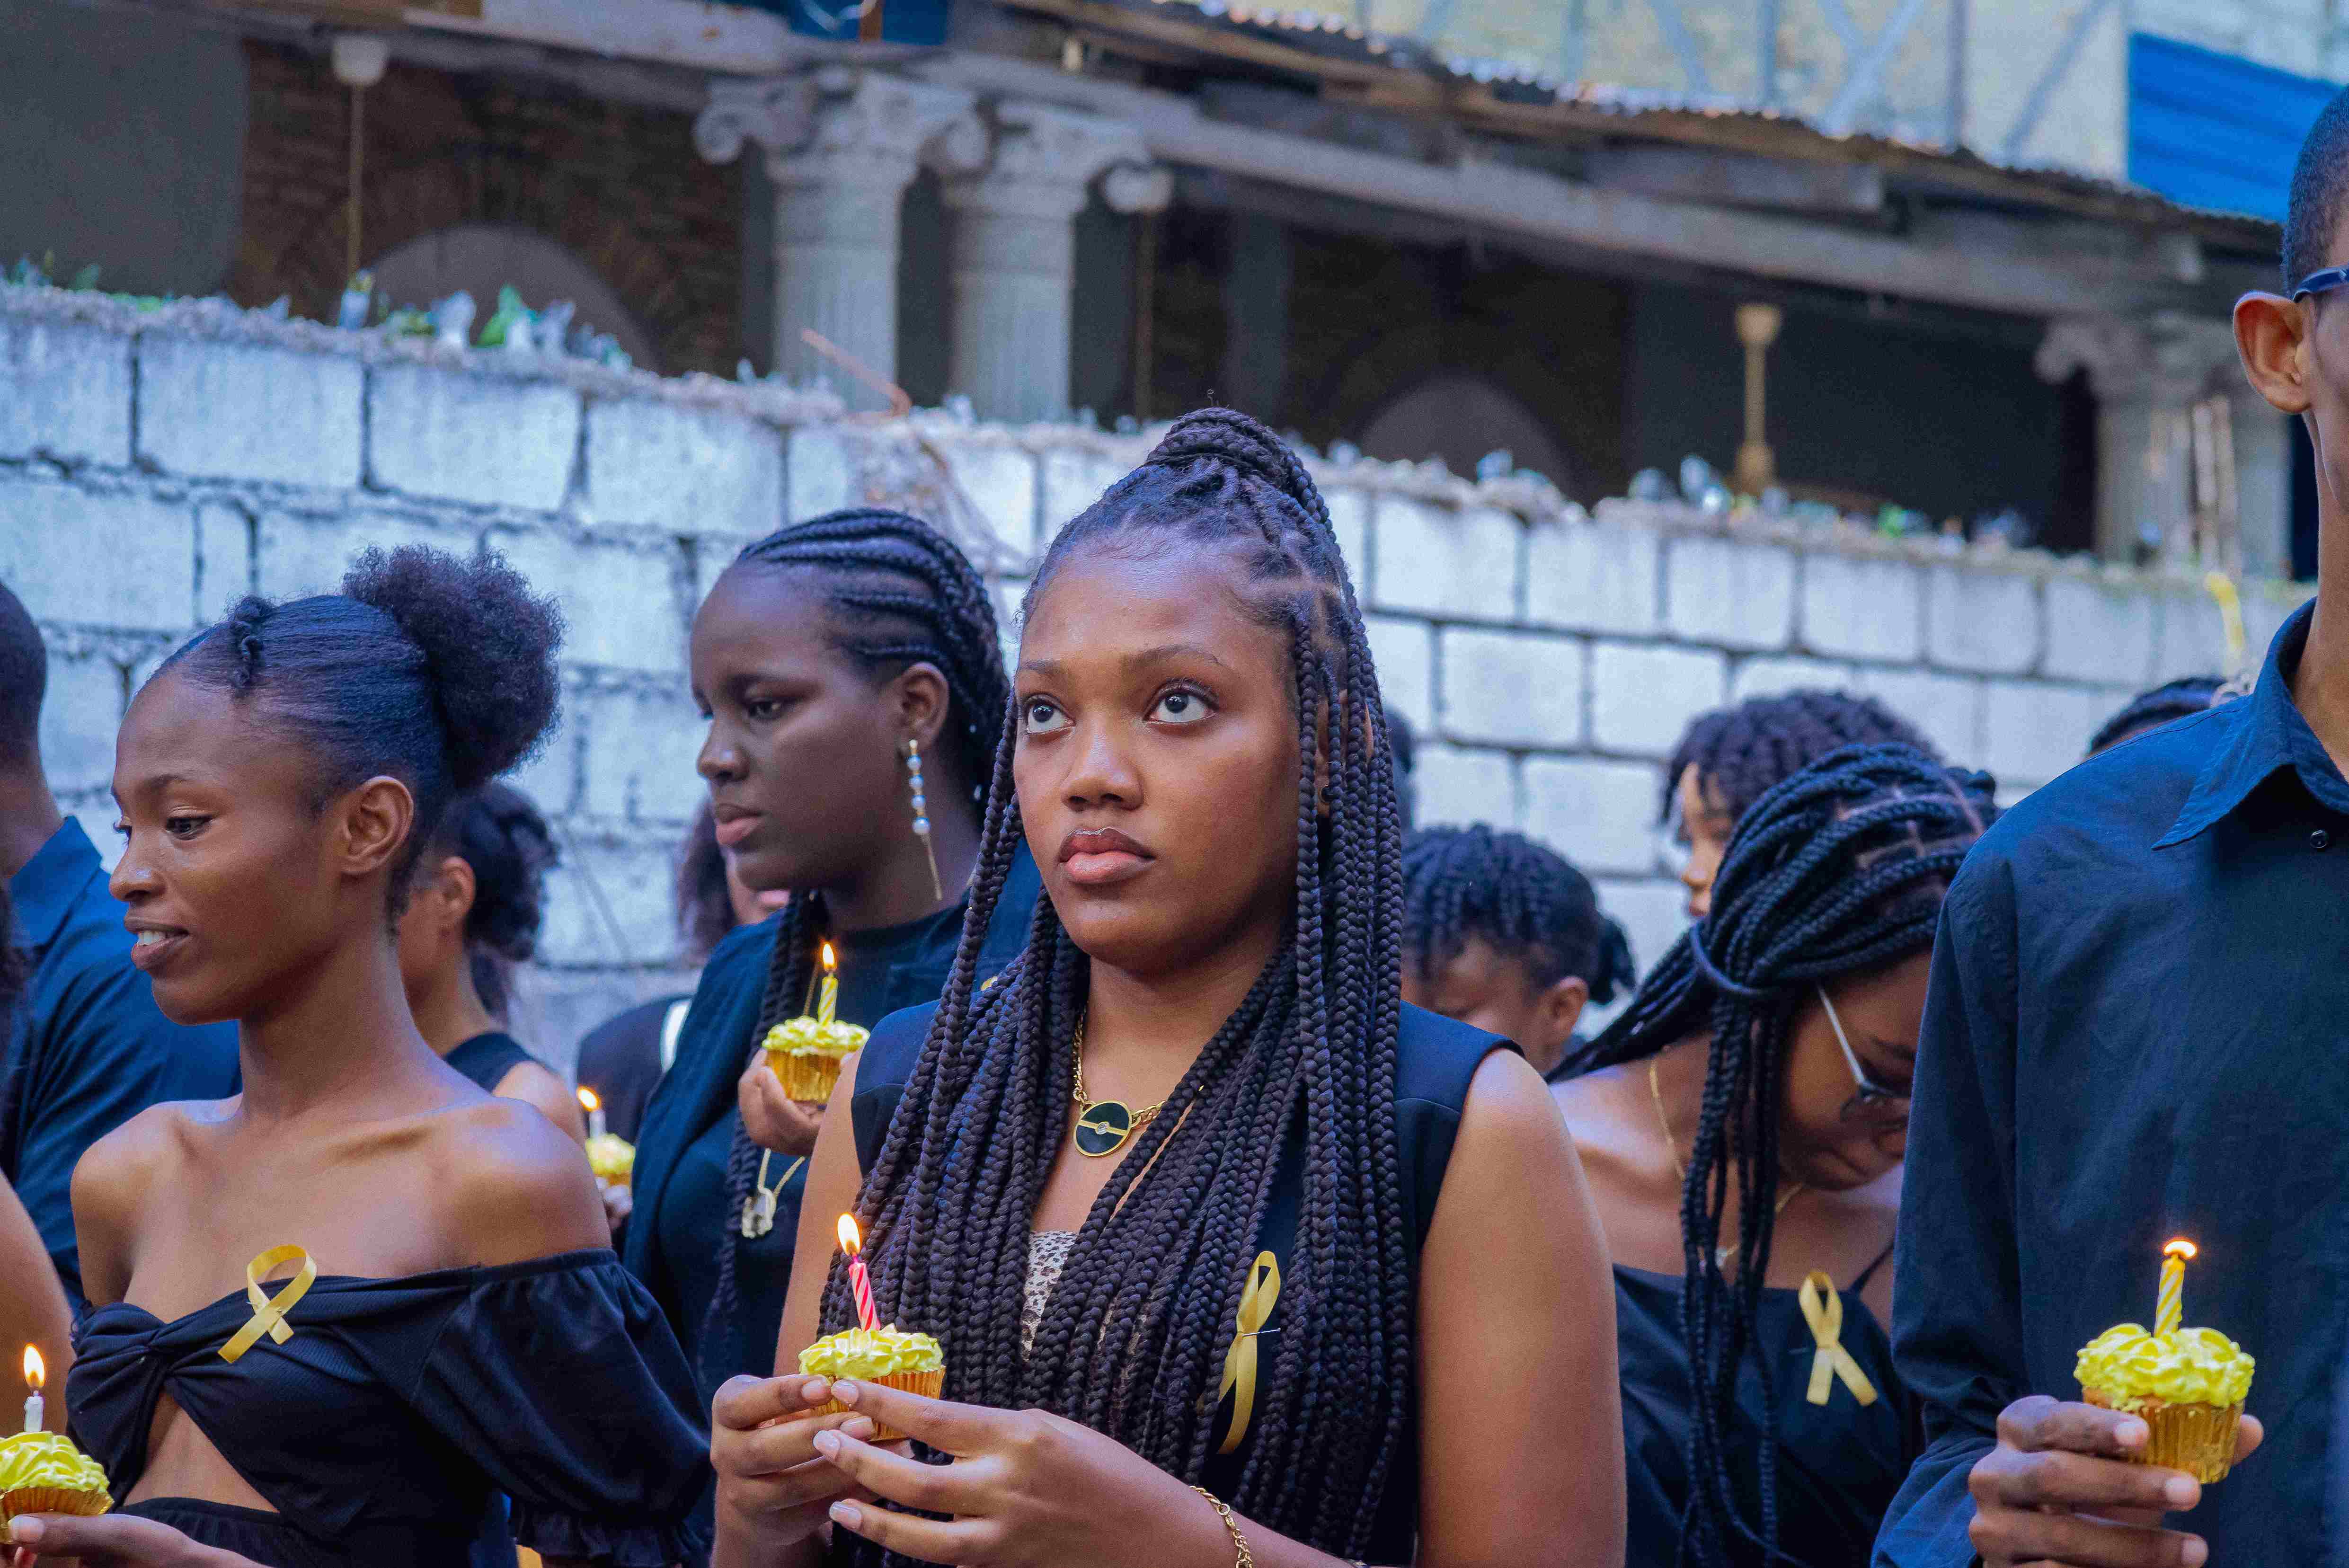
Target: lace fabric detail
x,y
1047,1255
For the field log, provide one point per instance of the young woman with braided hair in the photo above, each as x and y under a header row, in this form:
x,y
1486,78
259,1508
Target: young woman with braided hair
x,y
852,676
1743,1123
1191,1198
1503,933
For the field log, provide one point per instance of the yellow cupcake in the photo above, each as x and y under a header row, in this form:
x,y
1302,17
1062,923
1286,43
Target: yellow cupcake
x,y
2189,1385
43,1472
806,1054
890,1356
612,1158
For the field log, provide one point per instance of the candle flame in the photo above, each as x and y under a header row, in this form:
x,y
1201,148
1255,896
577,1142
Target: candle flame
x,y
2180,1248
36,1371
852,1240
587,1100
830,963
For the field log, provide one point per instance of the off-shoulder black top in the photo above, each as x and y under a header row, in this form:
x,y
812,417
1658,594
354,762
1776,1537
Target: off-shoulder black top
x,y
382,1429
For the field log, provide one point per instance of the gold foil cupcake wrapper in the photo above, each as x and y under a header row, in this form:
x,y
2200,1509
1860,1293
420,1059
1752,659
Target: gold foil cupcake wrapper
x,y
927,1384
806,1076
52,1499
2197,1438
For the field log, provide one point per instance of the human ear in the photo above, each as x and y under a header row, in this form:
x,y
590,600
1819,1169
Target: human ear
x,y
375,821
458,888
2272,335
920,698
1559,1008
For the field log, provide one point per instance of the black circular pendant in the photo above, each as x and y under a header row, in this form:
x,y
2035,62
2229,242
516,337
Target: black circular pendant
x,y
1104,1126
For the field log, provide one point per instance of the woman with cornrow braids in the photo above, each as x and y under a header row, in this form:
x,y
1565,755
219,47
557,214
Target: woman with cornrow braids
x,y
1235,1257
853,677
1743,1122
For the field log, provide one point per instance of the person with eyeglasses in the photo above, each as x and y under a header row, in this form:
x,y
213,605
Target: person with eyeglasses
x,y
1729,758
1743,1123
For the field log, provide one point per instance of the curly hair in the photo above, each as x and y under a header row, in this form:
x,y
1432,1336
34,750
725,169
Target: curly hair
x,y
2152,709
1743,751
1132,1343
498,831
1524,898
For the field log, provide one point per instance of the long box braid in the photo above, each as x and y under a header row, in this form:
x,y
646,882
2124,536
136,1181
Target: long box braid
x,y
1133,1338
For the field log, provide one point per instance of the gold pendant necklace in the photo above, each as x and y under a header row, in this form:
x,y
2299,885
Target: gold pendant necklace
x,y
1722,1256
1103,1125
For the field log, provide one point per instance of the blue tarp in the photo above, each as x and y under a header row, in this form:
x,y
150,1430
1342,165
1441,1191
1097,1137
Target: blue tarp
x,y
2214,130
902,21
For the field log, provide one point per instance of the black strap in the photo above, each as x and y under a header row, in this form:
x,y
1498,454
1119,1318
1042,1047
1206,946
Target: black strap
x,y
1868,1272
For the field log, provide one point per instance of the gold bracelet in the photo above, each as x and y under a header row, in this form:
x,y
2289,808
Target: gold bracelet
x,y
1224,1513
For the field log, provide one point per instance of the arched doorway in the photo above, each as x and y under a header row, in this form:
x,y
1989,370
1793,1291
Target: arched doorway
x,y
1460,418
482,258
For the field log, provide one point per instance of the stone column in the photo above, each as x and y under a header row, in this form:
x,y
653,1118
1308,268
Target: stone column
x,y
2148,375
841,146
1013,253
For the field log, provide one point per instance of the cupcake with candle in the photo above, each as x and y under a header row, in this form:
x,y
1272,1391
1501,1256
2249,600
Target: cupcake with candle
x,y
806,1053
43,1472
2187,1384
610,1156
913,1362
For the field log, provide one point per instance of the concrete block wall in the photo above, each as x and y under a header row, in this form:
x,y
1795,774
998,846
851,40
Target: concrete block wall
x,y
155,466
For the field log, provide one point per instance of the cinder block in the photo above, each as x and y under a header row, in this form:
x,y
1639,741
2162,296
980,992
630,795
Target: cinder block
x,y
550,777
1404,652
486,440
2266,607
299,554
1000,480
1728,592
641,747
1776,675
2033,730
818,472
1599,815
1073,479
2098,632
79,716
1590,576
620,602
691,470
626,918
225,536
1442,560
1512,688
1653,912
2190,636
1982,620
1349,519
64,392
249,411
1862,607
1459,785
1947,708
98,559
1642,696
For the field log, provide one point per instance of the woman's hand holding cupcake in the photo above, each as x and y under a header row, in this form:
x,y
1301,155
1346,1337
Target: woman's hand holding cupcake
x,y
772,1118
773,1489
110,1541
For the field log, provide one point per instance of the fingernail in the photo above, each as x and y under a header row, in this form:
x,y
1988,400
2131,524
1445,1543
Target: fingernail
x,y
817,1392
2194,1552
2131,1434
847,1515
862,1427
2180,1491
25,1531
827,1443
845,1391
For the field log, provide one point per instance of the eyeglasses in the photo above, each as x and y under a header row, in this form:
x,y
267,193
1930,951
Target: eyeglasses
x,y
1872,1100
2326,282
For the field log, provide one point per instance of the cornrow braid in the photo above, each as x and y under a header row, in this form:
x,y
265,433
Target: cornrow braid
x,y
1840,870
1524,898
899,593
1743,751
1133,1338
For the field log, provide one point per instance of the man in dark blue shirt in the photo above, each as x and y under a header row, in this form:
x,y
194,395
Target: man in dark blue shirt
x,y
87,1048
2138,1028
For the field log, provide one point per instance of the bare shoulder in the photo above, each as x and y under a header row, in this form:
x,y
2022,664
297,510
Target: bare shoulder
x,y
518,1186
1597,1106
153,1152
537,1085
1509,1110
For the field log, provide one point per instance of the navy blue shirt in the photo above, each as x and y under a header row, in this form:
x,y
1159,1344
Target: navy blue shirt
x,y
89,1049
2138,1027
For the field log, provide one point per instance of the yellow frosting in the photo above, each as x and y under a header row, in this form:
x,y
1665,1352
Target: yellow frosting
x,y
2191,1366
804,1036
50,1459
610,1156
872,1352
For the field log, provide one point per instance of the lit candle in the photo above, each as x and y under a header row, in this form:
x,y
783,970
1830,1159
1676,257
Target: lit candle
x,y
35,1374
594,1109
2170,1306
827,997
851,1242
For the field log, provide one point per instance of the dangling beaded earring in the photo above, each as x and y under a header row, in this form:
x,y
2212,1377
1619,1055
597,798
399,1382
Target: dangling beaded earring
x,y
922,814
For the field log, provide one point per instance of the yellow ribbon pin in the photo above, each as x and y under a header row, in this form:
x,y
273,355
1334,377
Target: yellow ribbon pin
x,y
1239,1361
1823,1309
269,1312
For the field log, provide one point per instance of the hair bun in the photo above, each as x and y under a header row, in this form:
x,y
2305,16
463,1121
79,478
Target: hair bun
x,y
1229,436
489,646
1616,971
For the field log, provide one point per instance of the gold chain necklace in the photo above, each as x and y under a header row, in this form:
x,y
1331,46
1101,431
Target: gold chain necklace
x,y
1792,1189
1103,1125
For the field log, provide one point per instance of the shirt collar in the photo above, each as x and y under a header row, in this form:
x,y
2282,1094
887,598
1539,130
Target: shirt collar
x,y
51,884
2268,737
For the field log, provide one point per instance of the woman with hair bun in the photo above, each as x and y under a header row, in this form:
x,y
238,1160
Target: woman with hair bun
x,y
1234,1255
440,1317
475,911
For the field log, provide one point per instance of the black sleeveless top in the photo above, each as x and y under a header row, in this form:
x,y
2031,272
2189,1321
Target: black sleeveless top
x,y
485,1060
1839,1463
383,1429
1435,1057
